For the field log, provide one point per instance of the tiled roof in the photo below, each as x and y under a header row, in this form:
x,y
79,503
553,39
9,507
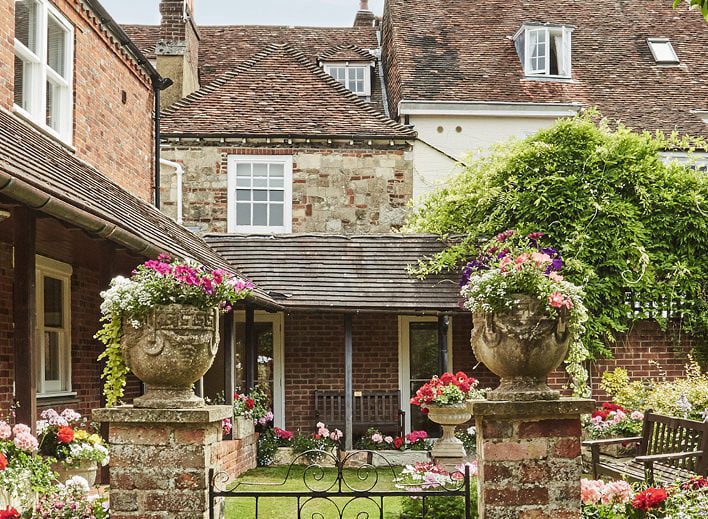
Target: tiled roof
x,y
367,272
278,92
222,48
346,53
457,50
33,160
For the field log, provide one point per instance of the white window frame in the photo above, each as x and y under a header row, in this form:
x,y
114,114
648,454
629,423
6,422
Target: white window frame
x,y
548,32
287,162
278,321
46,267
404,361
652,42
36,85
348,67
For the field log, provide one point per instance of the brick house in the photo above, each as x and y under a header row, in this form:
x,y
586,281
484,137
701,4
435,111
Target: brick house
x,y
294,116
466,75
77,163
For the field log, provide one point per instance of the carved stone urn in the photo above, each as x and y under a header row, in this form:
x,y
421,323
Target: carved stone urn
x,y
522,346
172,350
449,417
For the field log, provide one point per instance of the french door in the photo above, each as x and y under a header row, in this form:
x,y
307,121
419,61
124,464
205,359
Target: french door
x,y
418,362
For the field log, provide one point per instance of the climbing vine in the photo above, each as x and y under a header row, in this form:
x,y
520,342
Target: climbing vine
x,y
631,225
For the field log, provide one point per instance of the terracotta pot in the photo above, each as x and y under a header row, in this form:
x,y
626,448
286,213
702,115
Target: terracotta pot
x,y
449,416
173,349
522,346
87,470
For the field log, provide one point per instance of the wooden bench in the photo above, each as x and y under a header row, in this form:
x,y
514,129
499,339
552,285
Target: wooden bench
x,y
670,449
378,409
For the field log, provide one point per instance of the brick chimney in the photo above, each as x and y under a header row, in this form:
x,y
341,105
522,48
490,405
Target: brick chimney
x,y
178,49
364,18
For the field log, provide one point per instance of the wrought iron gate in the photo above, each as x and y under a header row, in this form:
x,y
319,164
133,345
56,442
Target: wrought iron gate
x,y
342,495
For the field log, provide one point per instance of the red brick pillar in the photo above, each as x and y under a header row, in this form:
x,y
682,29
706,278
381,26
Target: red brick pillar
x,y
160,460
529,458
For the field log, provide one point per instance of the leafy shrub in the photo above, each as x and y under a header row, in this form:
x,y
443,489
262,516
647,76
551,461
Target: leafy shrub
x,y
434,478
625,220
468,437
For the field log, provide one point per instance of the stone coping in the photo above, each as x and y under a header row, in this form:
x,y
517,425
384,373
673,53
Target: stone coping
x,y
533,409
130,414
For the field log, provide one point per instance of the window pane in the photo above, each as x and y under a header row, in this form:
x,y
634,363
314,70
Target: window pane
x,y
260,170
243,214
243,181
423,365
277,170
277,183
26,23
54,106
243,170
276,215
243,194
260,195
52,356
53,302
260,182
56,46
538,44
260,214
22,83
277,196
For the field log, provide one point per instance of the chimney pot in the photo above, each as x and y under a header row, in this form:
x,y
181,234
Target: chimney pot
x,y
363,5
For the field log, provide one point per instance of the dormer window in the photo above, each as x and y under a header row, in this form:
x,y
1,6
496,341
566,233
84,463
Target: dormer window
x,y
663,51
356,78
544,50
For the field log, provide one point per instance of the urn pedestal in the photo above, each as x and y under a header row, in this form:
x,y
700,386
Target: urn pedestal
x,y
522,346
448,450
169,352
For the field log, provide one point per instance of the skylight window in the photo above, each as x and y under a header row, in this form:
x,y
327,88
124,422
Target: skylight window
x,y
544,50
663,51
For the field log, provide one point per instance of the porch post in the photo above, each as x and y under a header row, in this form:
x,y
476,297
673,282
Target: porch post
x,y
229,383
251,349
24,306
348,384
443,325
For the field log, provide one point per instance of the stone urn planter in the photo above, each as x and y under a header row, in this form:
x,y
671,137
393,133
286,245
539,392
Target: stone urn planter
x,y
522,346
173,349
449,417
243,428
87,470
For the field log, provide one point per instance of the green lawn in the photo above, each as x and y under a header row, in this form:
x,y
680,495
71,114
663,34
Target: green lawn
x,y
286,508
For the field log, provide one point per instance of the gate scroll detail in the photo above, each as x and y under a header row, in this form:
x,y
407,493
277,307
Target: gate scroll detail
x,y
345,488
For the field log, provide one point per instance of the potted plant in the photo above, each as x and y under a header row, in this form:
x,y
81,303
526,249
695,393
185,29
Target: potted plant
x,y
445,400
162,324
398,451
614,421
525,313
24,474
76,449
317,448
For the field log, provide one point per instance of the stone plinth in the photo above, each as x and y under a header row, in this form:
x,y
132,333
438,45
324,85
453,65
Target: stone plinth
x,y
529,458
160,460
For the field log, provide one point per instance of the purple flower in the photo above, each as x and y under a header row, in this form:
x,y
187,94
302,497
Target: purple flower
x,y
550,251
557,264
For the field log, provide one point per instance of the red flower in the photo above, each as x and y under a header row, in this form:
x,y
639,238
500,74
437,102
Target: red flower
x,y
3,461
65,435
696,483
9,513
602,413
649,499
250,403
398,442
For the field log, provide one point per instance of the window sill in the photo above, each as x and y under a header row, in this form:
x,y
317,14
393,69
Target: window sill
x,y
43,129
68,395
554,79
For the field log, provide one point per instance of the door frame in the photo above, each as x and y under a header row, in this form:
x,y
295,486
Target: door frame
x,y
404,364
278,321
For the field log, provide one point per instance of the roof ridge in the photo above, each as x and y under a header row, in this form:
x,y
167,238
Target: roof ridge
x,y
361,51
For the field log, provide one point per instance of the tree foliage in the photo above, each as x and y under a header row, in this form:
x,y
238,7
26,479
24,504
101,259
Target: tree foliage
x,y
695,4
625,220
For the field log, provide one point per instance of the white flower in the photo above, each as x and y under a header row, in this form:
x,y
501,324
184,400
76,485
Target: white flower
x,y
79,483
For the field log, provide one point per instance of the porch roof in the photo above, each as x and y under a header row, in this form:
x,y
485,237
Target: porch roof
x,y
335,272
45,176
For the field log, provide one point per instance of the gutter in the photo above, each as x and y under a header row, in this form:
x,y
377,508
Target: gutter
x,y
487,108
158,82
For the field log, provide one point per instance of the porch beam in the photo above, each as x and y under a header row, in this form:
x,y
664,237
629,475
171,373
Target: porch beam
x,y
348,384
443,354
24,305
251,348
229,374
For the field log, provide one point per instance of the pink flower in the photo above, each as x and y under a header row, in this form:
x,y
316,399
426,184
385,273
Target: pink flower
x,y
336,435
591,491
523,258
323,432
388,439
226,425
21,428
504,262
5,431
474,469
617,492
70,415
26,442
556,300
320,425
637,416
554,276
377,438
540,258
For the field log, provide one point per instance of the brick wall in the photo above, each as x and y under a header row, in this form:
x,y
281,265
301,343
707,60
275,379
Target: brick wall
x,y
7,351
236,456
115,137
335,188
